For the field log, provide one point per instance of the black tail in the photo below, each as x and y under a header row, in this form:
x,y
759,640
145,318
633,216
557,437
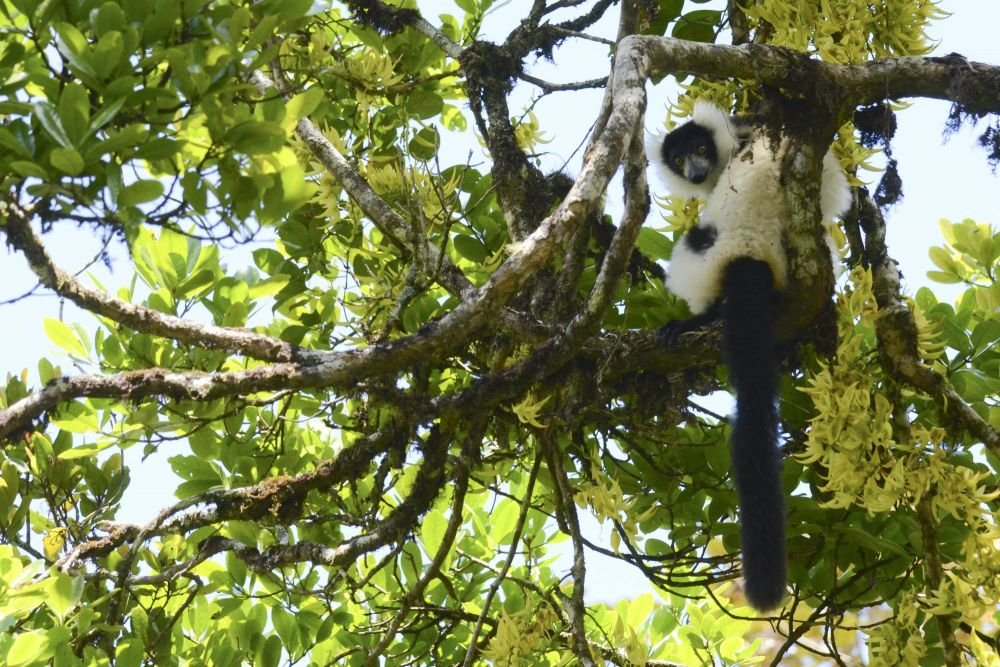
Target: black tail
x,y
748,344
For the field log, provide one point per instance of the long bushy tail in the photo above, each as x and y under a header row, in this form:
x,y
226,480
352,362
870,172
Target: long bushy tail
x,y
748,345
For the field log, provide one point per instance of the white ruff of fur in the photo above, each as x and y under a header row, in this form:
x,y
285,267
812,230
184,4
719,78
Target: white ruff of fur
x,y
726,137
748,211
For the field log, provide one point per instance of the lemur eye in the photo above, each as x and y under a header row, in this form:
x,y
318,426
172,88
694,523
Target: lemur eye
x,y
678,161
702,149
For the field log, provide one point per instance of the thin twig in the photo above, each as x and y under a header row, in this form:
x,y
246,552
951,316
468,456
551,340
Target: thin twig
x,y
472,650
574,605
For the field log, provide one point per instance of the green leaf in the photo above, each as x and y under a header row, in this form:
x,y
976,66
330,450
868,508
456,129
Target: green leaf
x,y
195,191
470,248
162,148
194,283
129,653
139,620
64,336
256,137
268,260
668,11
264,30
76,417
12,141
64,592
640,609
653,244
49,119
453,118
286,626
67,160
942,277
86,451
869,541
74,48
942,259
74,112
140,192
423,104
108,54
432,530
25,168
268,287
269,654
425,144
28,648
302,105
236,568
160,22
109,17
106,114
986,335
973,385
698,26
131,135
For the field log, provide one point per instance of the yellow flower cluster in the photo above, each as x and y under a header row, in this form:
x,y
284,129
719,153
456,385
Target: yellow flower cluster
x,y
898,642
868,457
848,31
865,460
607,501
851,437
520,634
411,188
679,213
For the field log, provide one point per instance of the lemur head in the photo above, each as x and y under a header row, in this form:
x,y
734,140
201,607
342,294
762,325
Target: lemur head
x,y
689,151
691,158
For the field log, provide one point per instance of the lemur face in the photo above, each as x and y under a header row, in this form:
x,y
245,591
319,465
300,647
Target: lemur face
x,y
689,151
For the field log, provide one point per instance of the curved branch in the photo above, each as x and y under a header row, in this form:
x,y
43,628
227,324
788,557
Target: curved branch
x,y
388,18
415,594
559,87
275,497
934,573
478,307
255,345
953,78
391,224
897,334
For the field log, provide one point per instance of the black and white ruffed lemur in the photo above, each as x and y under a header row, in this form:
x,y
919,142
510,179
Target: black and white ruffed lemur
x,y
731,265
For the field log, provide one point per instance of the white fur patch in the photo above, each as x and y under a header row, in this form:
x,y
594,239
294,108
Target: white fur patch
x,y
749,212
726,137
835,193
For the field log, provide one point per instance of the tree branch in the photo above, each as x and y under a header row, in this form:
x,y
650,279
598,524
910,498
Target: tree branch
x,y
897,333
840,87
275,498
933,571
395,228
472,650
255,345
575,607
434,340
415,594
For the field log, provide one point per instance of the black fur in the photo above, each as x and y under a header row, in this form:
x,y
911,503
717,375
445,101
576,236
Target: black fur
x,y
701,237
748,312
687,141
